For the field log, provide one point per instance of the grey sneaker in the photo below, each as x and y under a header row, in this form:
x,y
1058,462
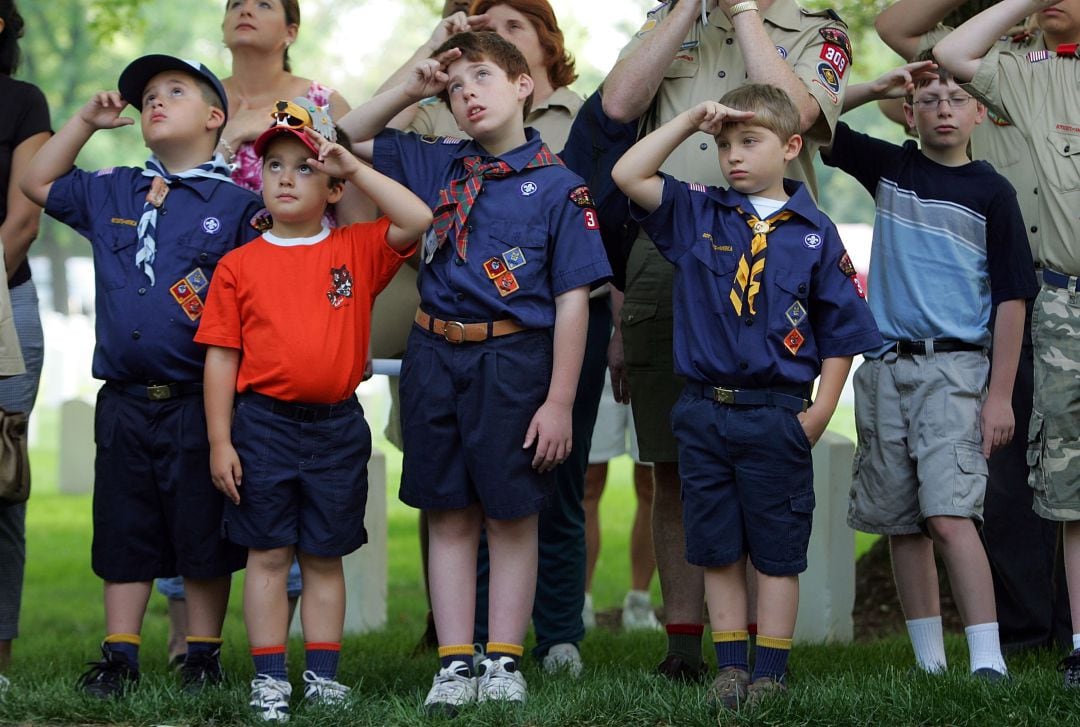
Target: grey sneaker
x,y
729,689
453,687
588,615
563,658
500,681
270,698
637,612
764,688
1070,669
319,690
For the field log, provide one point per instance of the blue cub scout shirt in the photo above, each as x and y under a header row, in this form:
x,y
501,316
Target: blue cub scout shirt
x,y
809,306
528,222
145,333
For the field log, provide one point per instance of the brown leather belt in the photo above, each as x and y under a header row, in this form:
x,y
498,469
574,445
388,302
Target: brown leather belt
x,y
457,332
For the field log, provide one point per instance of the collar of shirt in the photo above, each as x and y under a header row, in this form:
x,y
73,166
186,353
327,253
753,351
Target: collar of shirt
x,y
782,13
202,186
800,202
561,97
517,158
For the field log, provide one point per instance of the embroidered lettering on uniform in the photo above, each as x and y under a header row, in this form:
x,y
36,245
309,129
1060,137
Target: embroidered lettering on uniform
x,y
838,38
723,248
591,222
696,187
514,258
506,283
685,57
796,314
782,51
1067,128
211,225
528,189
122,221
341,286
812,241
834,55
793,341
494,267
581,197
1037,56
833,96
828,76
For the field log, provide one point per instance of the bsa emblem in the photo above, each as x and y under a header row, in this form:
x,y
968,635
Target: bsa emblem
x,y
341,286
528,189
812,241
211,225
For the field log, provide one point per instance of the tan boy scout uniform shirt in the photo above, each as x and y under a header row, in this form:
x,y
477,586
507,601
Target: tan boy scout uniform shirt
x,y
999,142
395,307
709,64
1041,94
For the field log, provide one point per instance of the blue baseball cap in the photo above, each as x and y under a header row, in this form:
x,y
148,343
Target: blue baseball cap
x,y
139,72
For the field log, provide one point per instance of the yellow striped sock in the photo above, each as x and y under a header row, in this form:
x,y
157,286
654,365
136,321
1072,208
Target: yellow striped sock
x,y
499,647
134,639
456,650
771,642
205,640
723,636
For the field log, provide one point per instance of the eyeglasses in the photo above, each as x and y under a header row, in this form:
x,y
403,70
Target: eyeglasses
x,y
956,102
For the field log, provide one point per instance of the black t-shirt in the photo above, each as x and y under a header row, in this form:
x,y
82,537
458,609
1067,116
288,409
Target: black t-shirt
x,y
26,114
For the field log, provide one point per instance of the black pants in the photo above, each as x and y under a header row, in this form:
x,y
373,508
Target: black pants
x,y
1024,549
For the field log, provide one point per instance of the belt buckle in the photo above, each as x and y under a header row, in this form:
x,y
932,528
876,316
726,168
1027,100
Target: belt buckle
x,y
159,392
724,396
456,326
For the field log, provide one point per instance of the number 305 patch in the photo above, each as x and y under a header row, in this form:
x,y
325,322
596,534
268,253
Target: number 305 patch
x,y
591,223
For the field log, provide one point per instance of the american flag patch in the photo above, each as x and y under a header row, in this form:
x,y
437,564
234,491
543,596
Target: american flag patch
x,y
1039,55
104,172
451,140
697,187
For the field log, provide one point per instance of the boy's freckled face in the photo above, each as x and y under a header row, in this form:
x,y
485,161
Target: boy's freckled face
x,y
173,107
482,98
752,158
947,124
293,190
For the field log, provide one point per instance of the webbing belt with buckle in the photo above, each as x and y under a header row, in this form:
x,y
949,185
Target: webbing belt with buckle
x,y
157,392
1061,280
797,400
938,345
458,332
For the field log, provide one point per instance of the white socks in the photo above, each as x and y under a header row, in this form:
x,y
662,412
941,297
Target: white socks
x,y
984,648
929,643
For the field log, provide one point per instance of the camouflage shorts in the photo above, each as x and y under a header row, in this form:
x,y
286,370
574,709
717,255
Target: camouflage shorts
x,y
1054,436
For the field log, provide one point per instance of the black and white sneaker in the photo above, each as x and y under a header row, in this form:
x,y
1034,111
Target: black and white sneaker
x,y
452,688
1070,669
109,677
270,698
201,669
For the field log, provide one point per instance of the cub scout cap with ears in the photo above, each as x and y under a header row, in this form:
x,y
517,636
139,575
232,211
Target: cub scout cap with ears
x,y
292,117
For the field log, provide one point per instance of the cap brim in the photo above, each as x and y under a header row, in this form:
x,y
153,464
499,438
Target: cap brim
x,y
275,131
139,72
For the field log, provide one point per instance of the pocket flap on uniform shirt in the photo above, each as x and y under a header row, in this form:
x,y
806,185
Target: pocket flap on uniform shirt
x,y
970,460
636,312
1064,144
720,262
796,283
516,234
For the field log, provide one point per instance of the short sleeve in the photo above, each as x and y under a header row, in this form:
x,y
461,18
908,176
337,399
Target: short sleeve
x,y
220,321
33,114
824,68
671,226
861,156
418,162
578,257
73,198
381,260
1008,255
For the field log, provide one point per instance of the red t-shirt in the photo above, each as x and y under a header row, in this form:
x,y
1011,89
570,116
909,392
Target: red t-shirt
x,y
299,310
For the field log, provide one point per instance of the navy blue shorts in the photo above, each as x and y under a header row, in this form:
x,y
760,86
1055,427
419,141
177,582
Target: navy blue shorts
x,y
156,511
747,484
465,409
305,477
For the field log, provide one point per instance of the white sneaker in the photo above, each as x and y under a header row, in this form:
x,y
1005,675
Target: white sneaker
x,y
5,685
450,689
270,698
478,655
319,690
497,683
563,658
588,616
637,612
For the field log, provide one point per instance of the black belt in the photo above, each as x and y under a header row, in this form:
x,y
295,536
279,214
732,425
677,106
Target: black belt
x,y
940,345
795,397
1061,280
299,411
157,392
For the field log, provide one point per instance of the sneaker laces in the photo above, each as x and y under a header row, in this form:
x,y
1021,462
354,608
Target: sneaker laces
x,y
1070,667
324,689
202,666
266,688
449,682
111,666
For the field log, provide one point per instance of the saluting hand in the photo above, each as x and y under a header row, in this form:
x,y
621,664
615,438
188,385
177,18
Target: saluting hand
x,y
103,111
710,116
334,159
900,82
429,77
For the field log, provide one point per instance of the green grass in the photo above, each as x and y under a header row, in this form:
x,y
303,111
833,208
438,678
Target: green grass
x,y
851,684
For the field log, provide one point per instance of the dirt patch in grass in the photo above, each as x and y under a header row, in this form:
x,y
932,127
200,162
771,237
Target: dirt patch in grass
x,y
877,609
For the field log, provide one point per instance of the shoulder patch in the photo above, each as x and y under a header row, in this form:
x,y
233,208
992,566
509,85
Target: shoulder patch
x,y
262,221
451,140
845,265
429,101
838,38
649,25
1037,56
582,197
